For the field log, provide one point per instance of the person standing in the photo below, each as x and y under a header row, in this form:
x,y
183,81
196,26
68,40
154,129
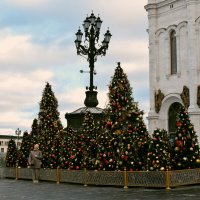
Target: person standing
x,y
34,161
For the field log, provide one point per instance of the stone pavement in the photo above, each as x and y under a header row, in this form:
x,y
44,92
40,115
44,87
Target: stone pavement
x,y
11,189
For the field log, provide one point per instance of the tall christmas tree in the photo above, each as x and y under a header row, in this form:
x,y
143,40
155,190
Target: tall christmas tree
x,y
124,122
185,154
121,107
49,123
159,151
11,156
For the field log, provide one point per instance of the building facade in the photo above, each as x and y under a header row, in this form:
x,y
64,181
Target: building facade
x,y
4,140
174,62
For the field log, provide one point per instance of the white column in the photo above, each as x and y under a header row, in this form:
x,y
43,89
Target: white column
x,y
192,62
157,60
152,17
193,110
198,47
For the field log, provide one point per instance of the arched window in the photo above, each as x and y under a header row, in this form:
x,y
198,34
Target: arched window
x,y
172,117
173,52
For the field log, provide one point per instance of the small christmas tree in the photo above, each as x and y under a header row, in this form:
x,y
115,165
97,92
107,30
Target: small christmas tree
x,y
185,154
34,134
67,145
25,149
49,123
76,157
126,150
11,156
88,137
55,157
159,152
141,142
105,159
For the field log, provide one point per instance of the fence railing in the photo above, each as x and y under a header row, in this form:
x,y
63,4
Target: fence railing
x,y
155,179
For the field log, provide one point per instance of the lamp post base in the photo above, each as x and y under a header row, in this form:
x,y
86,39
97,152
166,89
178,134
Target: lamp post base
x,y
91,99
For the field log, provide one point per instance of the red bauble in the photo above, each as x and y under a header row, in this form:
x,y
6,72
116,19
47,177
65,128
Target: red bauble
x,y
73,156
109,123
178,123
179,143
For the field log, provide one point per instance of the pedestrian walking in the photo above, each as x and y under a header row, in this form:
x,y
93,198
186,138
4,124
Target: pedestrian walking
x,y
34,161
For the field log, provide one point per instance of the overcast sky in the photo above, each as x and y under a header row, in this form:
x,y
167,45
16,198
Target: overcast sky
x,y
37,46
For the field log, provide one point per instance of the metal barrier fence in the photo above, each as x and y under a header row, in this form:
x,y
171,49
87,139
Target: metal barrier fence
x,y
155,179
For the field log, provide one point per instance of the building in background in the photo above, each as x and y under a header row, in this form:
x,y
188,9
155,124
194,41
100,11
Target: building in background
x,y
4,139
174,62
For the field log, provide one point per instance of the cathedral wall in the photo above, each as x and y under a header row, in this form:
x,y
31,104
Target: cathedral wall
x,y
177,18
182,16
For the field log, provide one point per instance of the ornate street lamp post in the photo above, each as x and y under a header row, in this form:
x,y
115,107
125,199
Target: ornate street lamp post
x,y
92,27
18,133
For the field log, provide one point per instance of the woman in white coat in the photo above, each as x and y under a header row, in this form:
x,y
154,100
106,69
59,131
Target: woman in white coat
x,y
34,161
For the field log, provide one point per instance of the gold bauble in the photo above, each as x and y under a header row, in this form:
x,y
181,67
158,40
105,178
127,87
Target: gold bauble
x,y
177,148
117,132
198,161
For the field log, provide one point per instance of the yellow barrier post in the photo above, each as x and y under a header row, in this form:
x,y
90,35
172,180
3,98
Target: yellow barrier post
x,y
125,179
16,172
85,177
58,175
168,180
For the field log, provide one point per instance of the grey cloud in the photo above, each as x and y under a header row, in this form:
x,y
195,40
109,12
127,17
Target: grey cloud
x,y
38,45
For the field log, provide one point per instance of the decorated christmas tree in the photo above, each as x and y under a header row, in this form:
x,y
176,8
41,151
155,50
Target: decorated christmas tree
x,y
185,154
121,107
105,159
11,156
126,150
55,156
88,134
67,145
76,155
34,134
142,141
159,152
49,124
134,144
25,149
125,125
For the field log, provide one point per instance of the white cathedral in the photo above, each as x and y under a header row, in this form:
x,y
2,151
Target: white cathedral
x,y
174,62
